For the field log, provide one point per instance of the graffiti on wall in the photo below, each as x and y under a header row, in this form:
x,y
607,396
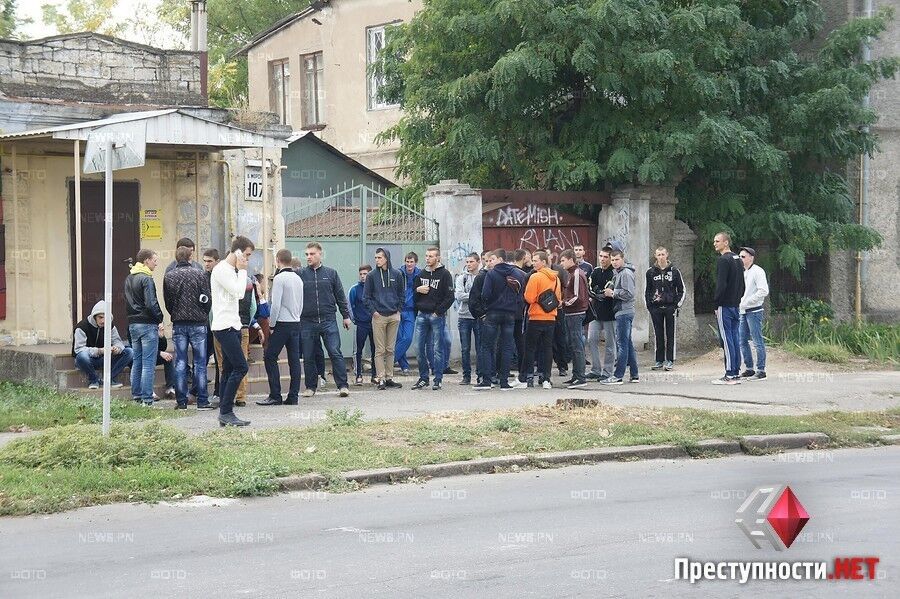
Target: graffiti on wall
x,y
554,240
620,228
532,215
456,257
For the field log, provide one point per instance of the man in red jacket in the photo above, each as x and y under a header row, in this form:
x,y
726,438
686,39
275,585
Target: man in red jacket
x,y
574,306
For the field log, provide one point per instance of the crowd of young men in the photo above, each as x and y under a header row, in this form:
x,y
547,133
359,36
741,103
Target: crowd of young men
x,y
516,311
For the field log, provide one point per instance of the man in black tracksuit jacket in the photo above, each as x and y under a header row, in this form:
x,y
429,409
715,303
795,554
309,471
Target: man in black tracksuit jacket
x,y
323,296
664,294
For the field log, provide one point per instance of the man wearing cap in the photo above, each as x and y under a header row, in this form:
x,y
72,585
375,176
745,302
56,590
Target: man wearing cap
x,y
756,288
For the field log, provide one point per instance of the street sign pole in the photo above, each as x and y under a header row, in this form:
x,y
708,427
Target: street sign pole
x,y
107,286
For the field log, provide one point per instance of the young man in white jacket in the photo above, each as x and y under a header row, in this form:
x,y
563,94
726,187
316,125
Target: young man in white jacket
x,y
756,288
228,284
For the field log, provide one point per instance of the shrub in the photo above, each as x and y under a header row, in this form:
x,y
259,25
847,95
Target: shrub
x,y
823,352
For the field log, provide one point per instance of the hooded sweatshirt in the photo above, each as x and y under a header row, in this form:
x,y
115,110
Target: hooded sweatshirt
x,y
440,297
409,302
385,288
88,336
539,282
664,290
464,282
360,313
141,305
501,293
624,289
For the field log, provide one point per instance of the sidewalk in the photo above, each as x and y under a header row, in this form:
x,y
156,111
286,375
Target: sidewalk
x,y
794,387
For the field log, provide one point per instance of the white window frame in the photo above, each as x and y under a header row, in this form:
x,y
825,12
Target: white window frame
x,y
284,103
375,82
318,95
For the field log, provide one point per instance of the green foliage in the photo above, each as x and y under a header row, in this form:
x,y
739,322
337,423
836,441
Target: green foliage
x,y
8,21
822,352
505,424
343,417
83,15
711,95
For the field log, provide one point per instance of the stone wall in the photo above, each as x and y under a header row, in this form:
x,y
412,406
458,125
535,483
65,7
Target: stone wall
x,y
89,67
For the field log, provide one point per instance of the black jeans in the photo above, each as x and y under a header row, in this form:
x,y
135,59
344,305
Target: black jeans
x,y
538,342
211,354
561,351
234,367
664,333
285,334
497,326
364,331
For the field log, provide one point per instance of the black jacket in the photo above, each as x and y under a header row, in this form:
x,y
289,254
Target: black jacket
x,y
323,294
664,289
385,290
183,287
604,308
141,305
440,297
477,306
729,280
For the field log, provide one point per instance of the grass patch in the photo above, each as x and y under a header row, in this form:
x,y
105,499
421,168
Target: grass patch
x,y
821,352
38,407
68,467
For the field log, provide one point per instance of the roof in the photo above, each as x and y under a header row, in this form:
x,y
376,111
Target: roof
x,y
315,6
309,135
99,36
171,126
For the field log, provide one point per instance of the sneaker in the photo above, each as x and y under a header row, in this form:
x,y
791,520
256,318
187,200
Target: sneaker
x,y
530,384
516,384
602,378
358,381
759,376
436,386
155,396
94,386
668,365
657,366
382,386
390,384
482,386
116,385
569,381
466,381
547,385
747,373
562,372
147,404
404,372
308,392
231,420
420,384
344,392
728,380
207,406
577,384
373,380
495,381
170,393
181,406
612,381
634,379
449,370
593,376
240,402
323,382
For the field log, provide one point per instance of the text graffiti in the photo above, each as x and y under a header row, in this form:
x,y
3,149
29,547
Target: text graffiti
x,y
554,240
529,216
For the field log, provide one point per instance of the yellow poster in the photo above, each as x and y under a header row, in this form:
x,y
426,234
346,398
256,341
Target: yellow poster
x,y
151,225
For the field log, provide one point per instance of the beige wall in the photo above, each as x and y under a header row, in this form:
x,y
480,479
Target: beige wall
x,y
350,125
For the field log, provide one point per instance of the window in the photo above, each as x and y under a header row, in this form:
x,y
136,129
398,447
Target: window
x,y
376,37
313,90
280,90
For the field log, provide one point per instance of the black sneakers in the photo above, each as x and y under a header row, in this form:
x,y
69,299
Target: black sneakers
x,y
420,384
747,374
759,376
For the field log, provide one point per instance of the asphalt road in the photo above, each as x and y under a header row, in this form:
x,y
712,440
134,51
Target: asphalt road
x,y
611,530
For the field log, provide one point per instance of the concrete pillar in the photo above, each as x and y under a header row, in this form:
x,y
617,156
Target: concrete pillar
x,y
627,221
457,209
687,332
662,217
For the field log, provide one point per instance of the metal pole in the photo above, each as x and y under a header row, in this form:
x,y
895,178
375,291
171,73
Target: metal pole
x,y
79,309
107,286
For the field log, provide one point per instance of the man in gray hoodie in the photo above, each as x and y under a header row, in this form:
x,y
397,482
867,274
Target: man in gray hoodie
x,y
467,324
623,294
385,292
87,347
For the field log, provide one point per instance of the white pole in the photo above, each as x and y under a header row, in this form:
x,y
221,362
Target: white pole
x,y
107,287
78,271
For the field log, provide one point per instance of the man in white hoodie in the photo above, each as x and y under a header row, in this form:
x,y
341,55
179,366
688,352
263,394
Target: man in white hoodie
x,y
228,284
756,288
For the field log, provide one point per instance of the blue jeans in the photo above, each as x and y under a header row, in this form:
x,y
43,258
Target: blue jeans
x,y
404,337
497,325
285,334
145,345
625,354
574,324
310,333
468,327
751,326
430,329
729,320
234,367
363,332
184,335
91,366
445,345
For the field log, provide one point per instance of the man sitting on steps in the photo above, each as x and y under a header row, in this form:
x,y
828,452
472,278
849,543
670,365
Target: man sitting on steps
x,y
87,348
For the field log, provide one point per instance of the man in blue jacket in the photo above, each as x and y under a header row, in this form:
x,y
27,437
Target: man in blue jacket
x,y
408,314
385,295
323,296
503,297
361,316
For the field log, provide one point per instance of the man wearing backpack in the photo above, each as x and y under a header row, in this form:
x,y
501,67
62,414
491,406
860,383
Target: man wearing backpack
x,y
543,294
575,304
186,293
503,295
663,293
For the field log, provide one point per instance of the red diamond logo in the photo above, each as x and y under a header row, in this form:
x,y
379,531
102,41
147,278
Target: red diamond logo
x,y
788,517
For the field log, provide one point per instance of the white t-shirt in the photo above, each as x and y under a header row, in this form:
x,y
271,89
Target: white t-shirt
x,y
228,287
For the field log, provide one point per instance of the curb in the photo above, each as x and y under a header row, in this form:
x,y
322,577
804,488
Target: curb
x,y
746,444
